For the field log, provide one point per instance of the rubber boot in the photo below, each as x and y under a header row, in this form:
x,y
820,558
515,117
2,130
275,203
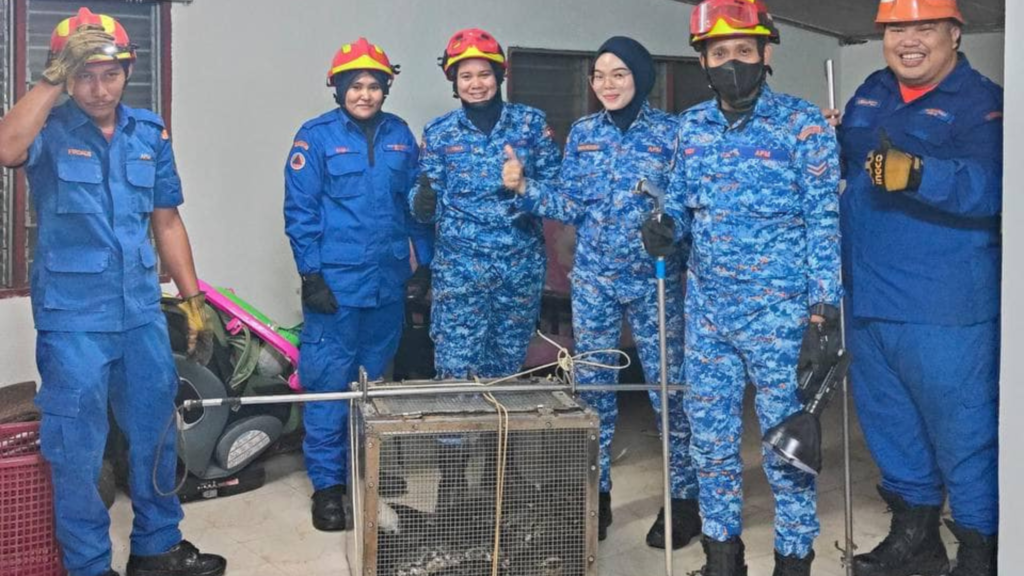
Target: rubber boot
x,y
452,460
792,566
182,560
977,553
686,525
913,545
329,509
723,558
604,514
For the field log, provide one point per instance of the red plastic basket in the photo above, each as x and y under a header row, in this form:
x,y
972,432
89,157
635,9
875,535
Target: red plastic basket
x,y
28,544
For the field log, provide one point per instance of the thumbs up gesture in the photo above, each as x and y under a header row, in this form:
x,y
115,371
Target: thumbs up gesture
x,y
512,176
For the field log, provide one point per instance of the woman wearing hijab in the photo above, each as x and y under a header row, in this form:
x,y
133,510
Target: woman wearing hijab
x,y
613,277
489,269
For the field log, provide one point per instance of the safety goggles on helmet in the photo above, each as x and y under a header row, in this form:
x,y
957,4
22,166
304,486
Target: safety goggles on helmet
x,y
895,11
360,55
731,18
121,50
471,43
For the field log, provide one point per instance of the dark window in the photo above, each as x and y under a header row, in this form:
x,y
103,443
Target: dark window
x,y
24,44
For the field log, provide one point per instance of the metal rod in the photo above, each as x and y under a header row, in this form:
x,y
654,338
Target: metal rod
x,y
400,390
848,545
666,466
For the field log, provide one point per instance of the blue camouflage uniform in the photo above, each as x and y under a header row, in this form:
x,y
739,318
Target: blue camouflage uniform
x,y
760,200
102,338
489,270
922,272
346,217
612,274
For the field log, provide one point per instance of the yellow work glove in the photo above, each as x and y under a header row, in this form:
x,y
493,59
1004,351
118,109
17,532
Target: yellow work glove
x,y
200,334
85,42
893,169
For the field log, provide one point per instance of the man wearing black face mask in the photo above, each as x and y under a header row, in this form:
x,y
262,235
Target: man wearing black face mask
x,y
755,184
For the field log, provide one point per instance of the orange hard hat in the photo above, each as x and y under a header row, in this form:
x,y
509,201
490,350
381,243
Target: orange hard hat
x,y
731,18
893,11
471,43
360,55
121,50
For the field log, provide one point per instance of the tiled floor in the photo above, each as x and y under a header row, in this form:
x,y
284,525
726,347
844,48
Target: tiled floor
x,y
267,531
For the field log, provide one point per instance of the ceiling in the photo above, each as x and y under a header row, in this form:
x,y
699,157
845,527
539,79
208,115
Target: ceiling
x,y
853,20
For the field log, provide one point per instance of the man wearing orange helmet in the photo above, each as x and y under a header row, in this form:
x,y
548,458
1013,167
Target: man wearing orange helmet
x,y
921,242
489,269
346,214
102,175
755,187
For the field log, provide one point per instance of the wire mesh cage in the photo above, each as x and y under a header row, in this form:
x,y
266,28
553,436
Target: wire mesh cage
x,y
457,485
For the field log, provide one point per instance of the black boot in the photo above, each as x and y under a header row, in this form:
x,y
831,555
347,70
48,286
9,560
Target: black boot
x,y
792,566
977,553
723,558
913,545
329,509
182,560
604,514
685,525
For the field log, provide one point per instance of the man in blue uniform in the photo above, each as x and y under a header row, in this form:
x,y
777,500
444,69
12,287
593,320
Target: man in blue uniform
x,y
612,277
921,250
755,182
101,174
349,225
489,270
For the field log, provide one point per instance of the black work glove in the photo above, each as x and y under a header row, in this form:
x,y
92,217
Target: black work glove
x,y
424,204
893,169
419,283
819,349
317,295
659,236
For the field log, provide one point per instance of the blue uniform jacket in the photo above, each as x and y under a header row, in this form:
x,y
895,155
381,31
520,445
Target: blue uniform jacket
x,y
347,218
464,166
595,193
930,256
94,268
763,198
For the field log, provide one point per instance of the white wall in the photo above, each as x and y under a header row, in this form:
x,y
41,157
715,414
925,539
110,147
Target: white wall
x,y
856,62
1011,431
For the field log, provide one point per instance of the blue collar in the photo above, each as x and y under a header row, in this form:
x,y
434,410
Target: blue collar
x,y
76,117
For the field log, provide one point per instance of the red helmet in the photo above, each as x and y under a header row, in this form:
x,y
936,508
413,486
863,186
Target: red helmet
x,y
892,11
730,19
471,43
122,50
360,55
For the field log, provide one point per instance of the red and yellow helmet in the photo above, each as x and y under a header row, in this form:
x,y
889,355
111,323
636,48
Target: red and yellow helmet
x,y
360,55
893,11
122,50
471,43
731,18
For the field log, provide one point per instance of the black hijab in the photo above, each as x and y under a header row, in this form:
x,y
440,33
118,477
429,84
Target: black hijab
x,y
641,65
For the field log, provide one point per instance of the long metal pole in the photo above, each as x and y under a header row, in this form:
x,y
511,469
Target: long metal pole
x,y
848,546
399,390
666,463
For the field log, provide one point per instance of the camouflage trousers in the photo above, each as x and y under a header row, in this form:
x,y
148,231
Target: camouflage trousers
x,y
485,311
721,358
597,325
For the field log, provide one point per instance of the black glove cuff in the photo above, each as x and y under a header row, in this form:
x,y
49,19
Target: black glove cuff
x,y
827,311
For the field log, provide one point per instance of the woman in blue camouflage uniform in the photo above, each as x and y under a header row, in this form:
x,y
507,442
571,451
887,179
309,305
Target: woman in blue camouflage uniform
x,y
607,153
488,272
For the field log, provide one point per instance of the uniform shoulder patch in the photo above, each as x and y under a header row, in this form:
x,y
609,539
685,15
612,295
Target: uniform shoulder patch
x,y
994,115
165,135
809,131
301,144
297,161
548,132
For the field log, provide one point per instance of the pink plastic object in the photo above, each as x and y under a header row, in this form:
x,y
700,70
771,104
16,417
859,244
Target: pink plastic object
x,y
28,544
224,304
